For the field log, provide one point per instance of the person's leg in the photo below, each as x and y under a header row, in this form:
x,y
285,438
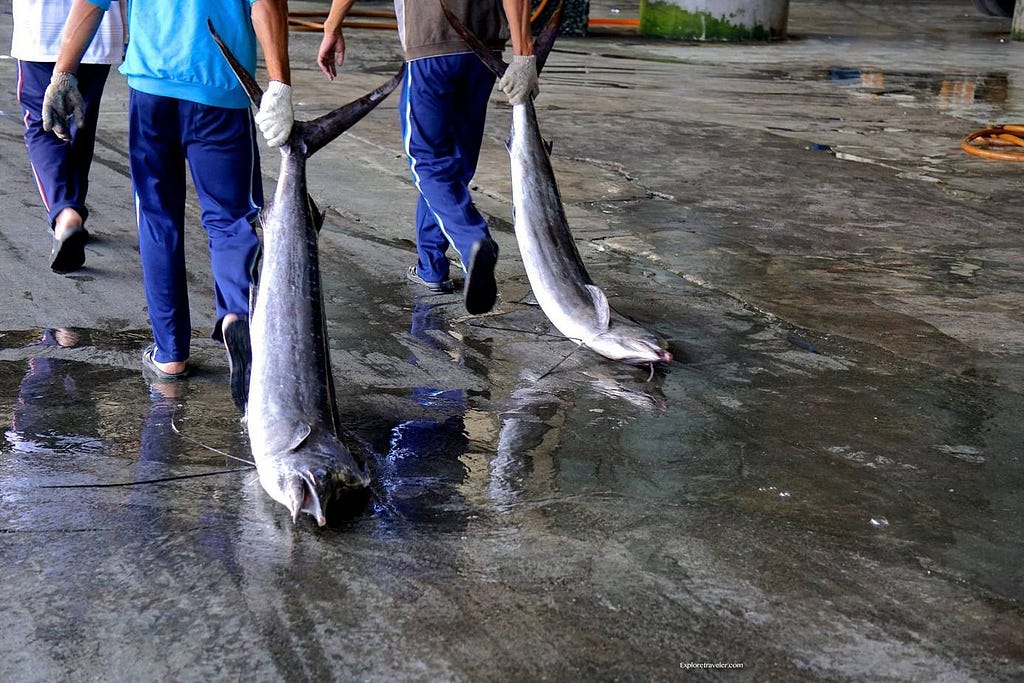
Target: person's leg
x,y
220,145
61,168
473,92
224,159
92,79
446,214
157,162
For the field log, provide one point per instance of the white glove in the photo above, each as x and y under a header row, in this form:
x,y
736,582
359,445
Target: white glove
x,y
276,116
62,102
520,79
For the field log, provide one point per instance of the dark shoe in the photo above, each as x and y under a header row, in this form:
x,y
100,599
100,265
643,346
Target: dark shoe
x,y
236,339
481,289
68,253
149,362
442,287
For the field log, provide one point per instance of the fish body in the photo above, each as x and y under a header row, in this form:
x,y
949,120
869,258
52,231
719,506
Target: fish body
x,y
560,282
292,413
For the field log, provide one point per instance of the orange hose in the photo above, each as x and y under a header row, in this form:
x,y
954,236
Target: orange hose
x,y
613,22
980,143
300,26
297,21
536,13
351,13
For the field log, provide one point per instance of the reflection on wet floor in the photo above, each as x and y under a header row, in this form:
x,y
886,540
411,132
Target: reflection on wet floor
x,y
422,470
953,93
805,451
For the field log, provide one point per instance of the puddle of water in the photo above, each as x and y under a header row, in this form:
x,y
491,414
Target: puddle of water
x,y
964,94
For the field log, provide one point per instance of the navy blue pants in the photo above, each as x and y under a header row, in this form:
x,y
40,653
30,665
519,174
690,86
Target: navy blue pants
x,y
61,169
443,105
219,146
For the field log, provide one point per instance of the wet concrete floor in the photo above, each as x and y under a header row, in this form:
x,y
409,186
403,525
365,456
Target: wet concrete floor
x,y
824,486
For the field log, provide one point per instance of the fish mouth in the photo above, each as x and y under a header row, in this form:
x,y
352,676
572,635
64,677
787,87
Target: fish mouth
x,y
312,491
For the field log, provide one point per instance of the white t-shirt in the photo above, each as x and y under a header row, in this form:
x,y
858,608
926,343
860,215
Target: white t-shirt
x,y
38,25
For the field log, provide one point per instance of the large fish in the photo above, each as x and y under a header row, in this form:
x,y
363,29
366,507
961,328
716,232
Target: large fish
x,y
560,282
292,414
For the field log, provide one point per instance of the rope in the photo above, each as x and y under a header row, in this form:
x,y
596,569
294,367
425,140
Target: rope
x,y
306,21
1002,143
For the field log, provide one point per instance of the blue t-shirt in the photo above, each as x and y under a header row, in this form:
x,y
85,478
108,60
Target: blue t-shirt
x,y
171,52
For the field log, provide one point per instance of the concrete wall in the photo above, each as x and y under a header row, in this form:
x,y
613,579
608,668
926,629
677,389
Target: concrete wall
x,y
726,20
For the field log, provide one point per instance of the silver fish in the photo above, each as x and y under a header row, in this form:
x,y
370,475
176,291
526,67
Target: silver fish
x,y
292,414
560,282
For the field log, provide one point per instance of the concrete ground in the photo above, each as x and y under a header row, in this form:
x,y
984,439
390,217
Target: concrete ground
x,y
824,486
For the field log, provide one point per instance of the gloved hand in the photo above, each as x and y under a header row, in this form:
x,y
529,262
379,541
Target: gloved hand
x,y
520,79
276,115
62,102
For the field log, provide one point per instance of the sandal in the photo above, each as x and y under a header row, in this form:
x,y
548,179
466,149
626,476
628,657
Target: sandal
x,y
149,362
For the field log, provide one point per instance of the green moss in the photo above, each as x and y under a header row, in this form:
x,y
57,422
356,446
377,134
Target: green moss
x,y
1017,35
671,21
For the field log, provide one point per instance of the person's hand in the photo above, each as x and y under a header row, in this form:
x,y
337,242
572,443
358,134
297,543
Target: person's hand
x,y
520,79
62,102
276,115
331,54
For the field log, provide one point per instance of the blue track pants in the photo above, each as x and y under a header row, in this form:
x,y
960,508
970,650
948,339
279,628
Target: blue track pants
x,y
219,146
443,106
61,169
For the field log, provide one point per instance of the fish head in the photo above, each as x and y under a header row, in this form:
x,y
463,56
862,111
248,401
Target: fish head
x,y
307,479
630,344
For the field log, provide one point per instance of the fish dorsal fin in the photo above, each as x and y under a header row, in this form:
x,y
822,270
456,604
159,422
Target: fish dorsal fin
x,y
604,312
290,437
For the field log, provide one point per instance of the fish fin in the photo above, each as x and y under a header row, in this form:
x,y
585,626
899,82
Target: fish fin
x,y
541,45
325,128
548,145
252,88
486,54
318,216
545,40
601,307
318,132
290,437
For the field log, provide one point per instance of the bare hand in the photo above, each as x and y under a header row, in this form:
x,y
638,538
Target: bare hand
x,y
331,54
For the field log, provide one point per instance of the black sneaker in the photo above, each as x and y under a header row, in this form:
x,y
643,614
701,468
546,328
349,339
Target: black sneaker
x,y
239,348
442,287
68,254
481,288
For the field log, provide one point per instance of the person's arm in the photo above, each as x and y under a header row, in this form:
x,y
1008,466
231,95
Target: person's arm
x,y
332,48
518,14
276,114
520,79
270,22
79,28
62,101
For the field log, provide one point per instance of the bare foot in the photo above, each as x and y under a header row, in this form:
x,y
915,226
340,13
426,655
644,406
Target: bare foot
x,y
65,221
